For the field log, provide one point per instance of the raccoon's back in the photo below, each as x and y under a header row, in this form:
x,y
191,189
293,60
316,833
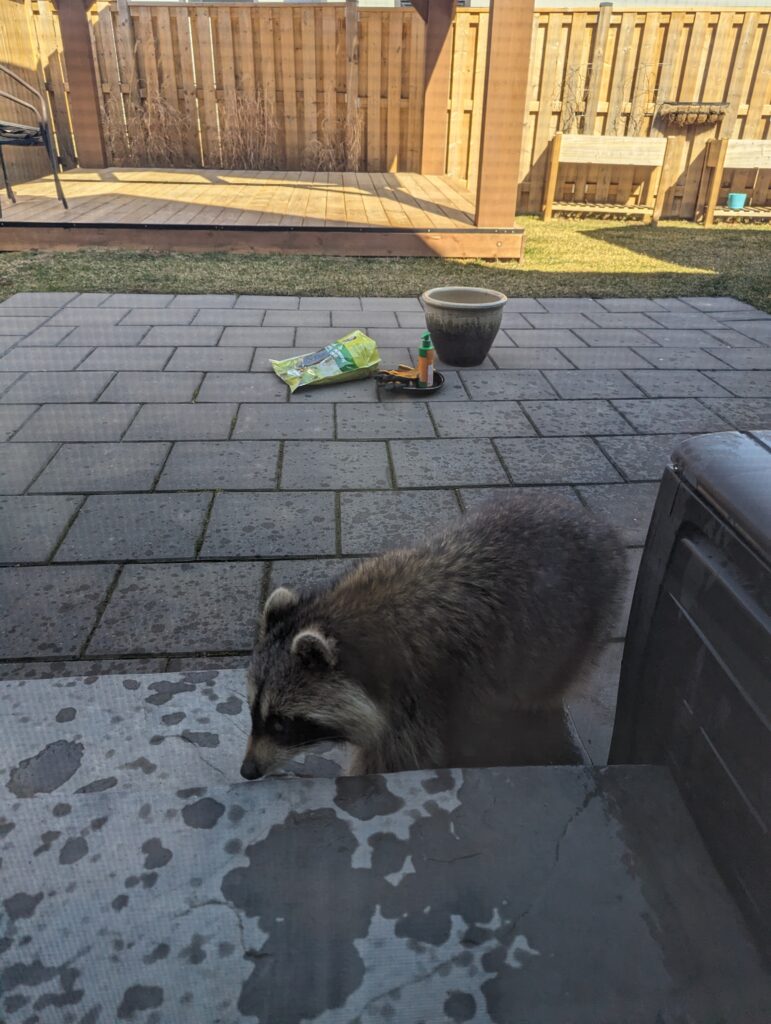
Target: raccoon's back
x,y
539,570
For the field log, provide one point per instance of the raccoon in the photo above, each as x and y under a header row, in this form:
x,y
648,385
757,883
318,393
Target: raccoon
x,y
418,657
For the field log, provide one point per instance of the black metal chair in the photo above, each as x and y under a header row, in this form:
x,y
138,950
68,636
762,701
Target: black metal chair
x,y
12,134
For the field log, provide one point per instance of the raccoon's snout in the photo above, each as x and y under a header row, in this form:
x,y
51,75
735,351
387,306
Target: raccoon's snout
x,y
250,770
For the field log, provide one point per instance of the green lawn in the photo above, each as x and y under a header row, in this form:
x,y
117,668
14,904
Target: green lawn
x,y
564,257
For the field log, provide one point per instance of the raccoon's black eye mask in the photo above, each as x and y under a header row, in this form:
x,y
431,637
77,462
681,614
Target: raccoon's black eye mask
x,y
295,732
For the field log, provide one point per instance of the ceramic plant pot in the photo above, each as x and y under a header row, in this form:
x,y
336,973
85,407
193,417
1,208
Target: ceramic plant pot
x,y
463,322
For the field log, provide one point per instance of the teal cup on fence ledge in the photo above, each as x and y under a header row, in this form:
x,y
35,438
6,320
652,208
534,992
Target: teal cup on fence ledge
x,y
736,200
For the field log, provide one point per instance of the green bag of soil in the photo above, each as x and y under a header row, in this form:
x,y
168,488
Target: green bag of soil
x,y
351,358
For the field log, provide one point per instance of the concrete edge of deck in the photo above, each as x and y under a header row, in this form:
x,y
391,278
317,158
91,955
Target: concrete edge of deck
x,y
345,240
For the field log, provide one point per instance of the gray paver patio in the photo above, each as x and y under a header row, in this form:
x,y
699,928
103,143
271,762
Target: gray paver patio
x,y
149,436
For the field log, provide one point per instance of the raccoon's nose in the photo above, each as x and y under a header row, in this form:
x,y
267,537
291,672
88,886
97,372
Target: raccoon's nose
x,y
250,771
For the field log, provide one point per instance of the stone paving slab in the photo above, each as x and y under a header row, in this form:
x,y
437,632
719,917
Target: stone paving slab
x,y
480,419
102,466
606,359
473,498
334,465
260,337
553,460
46,336
358,422
628,507
12,417
74,422
665,415
170,335
124,358
303,573
682,338
215,465
58,386
682,358
545,339
110,337
31,527
743,383
181,422
20,464
133,527
218,358
271,525
742,413
530,359
743,359
151,386
612,338
676,384
168,608
50,610
241,387
576,417
371,522
446,463
47,359
758,330
506,384
592,384
310,422
641,458
159,317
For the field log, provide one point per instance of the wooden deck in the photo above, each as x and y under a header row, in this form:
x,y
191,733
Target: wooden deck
x,y
359,214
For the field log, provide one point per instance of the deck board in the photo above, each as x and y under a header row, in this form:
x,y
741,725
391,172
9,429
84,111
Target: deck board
x,y
427,214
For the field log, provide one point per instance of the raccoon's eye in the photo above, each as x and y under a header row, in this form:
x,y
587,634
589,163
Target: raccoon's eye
x,y
276,726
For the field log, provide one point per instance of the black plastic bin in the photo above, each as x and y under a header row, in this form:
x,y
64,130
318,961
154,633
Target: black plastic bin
x,y
695,690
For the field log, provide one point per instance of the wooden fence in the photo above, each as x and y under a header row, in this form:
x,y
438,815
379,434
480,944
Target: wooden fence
x,y
32,49
259,85
323,86
605,72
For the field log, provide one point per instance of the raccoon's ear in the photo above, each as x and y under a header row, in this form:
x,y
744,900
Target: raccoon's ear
x,y
279,603
315,649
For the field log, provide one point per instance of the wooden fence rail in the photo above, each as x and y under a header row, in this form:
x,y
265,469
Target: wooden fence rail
x,y
328,87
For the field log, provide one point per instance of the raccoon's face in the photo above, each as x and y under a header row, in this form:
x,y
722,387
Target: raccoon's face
x,y
297,694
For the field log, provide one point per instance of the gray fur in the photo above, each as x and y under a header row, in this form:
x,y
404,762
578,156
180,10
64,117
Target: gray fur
x,y
420,656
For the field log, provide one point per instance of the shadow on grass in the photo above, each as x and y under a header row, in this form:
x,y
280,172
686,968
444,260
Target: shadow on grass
x,y
714,250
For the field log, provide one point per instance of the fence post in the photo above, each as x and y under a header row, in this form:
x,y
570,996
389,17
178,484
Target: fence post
x,y
595,68
504,110
83,82
439,18
351,81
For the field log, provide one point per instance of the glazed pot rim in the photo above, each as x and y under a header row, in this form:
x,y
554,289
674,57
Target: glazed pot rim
x,y
493,300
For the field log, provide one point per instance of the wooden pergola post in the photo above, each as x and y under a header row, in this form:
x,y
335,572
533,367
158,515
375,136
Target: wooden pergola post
x,y
83,82
438,16
504,111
